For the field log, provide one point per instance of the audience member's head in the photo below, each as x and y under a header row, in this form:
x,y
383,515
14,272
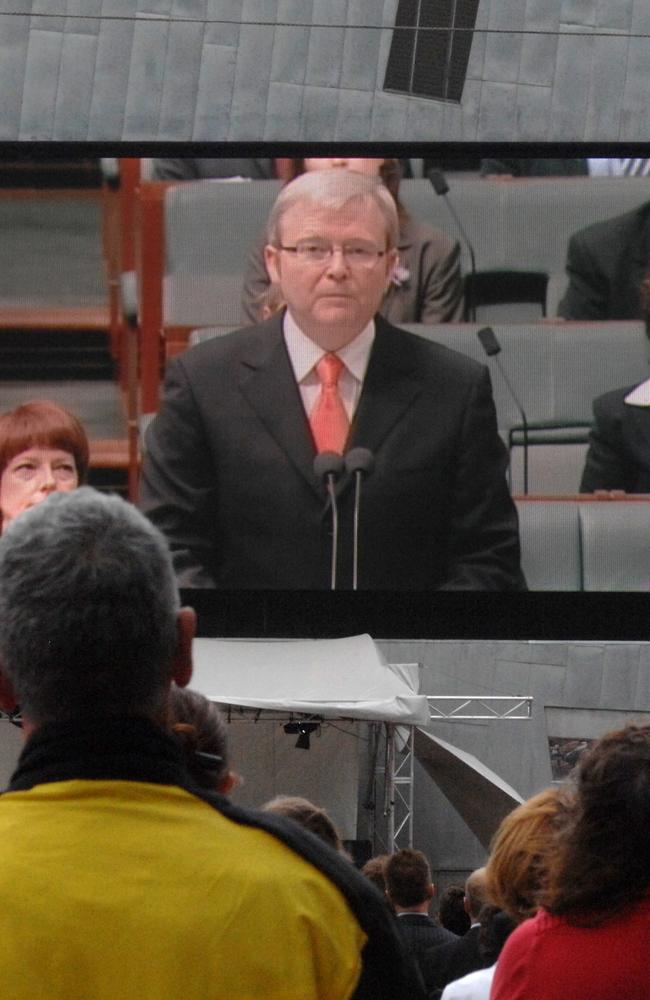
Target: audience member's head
x,y
520,853
374,871
310,816
408,880
476,894
496,927
451,910
89,618
601,864
201,729
43,449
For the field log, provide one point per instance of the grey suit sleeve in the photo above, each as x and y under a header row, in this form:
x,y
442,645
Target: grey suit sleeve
x,y
588,293
176,487
484,546
607,466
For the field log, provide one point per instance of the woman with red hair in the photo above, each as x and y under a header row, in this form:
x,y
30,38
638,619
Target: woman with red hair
x,y
43,449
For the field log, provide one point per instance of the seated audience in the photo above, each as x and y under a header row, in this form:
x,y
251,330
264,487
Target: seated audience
x,y
590,939
199,726
426,284
495,929
451,910
43,449
119,877
410,891
307,814
592,166
534,167
228,473
187,169
442,964
606,265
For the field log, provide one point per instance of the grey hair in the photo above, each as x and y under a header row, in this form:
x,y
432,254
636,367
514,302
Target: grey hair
x,y
88,606
335,189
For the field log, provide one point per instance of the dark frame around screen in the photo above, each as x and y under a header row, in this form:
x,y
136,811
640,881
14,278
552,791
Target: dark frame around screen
x,y
383,614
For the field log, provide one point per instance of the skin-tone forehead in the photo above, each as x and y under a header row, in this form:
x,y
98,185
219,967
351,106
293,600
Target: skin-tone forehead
x,y
359,218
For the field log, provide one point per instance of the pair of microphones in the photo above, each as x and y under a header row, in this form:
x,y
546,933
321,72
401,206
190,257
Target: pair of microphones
x,y
329,466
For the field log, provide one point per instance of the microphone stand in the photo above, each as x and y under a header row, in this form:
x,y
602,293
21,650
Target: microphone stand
x,y
359,462
328,466
439,183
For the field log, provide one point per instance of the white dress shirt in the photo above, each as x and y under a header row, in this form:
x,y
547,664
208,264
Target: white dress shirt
x,y
304,355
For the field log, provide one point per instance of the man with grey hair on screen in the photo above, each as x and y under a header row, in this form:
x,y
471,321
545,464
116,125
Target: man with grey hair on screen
x,y
229,474
118,876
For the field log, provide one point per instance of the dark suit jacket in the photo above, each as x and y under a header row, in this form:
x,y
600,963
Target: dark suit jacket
x,y
228,471
420,933
535,167
605,264
619,446
446,962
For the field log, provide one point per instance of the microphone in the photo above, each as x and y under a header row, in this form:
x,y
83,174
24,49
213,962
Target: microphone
x,y
328,466
492,348
359,462
440,186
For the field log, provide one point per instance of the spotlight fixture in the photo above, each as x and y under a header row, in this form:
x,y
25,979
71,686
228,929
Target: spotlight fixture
x,y
303,729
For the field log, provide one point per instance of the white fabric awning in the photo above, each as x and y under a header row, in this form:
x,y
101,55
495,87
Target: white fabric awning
x,y
335,678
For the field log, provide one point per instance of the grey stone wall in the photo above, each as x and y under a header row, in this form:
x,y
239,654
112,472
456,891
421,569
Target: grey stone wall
x,y
587,676
566,70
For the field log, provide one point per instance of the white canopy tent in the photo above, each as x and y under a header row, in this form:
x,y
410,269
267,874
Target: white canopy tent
x,y
349,679
335,678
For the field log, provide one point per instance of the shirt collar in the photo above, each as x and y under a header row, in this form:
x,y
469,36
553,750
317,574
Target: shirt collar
x,y
304,353
639,396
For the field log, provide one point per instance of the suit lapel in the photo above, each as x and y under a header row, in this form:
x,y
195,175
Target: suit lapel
x,y
267,382
389,390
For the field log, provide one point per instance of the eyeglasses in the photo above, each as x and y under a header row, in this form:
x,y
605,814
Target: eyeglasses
x,y
357,253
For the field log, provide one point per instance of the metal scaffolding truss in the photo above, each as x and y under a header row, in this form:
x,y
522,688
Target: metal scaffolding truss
x,y
396,764
448,706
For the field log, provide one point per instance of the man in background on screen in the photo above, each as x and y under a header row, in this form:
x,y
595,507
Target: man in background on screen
x,y
228,473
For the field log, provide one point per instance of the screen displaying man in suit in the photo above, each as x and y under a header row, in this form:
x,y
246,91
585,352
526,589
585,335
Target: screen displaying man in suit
x,y
228,473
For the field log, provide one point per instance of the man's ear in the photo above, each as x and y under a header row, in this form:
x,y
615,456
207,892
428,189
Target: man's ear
x,y
392,260
185,632
271,260
8,700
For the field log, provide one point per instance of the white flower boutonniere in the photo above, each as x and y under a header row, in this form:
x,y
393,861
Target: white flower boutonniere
x,y
400,276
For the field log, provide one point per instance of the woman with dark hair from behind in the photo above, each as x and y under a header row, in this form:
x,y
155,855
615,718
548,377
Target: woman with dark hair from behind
x,y
201,730
592,938
426,286
43,450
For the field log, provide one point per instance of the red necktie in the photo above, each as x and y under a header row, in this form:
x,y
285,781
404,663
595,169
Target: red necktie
x,y
328,418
